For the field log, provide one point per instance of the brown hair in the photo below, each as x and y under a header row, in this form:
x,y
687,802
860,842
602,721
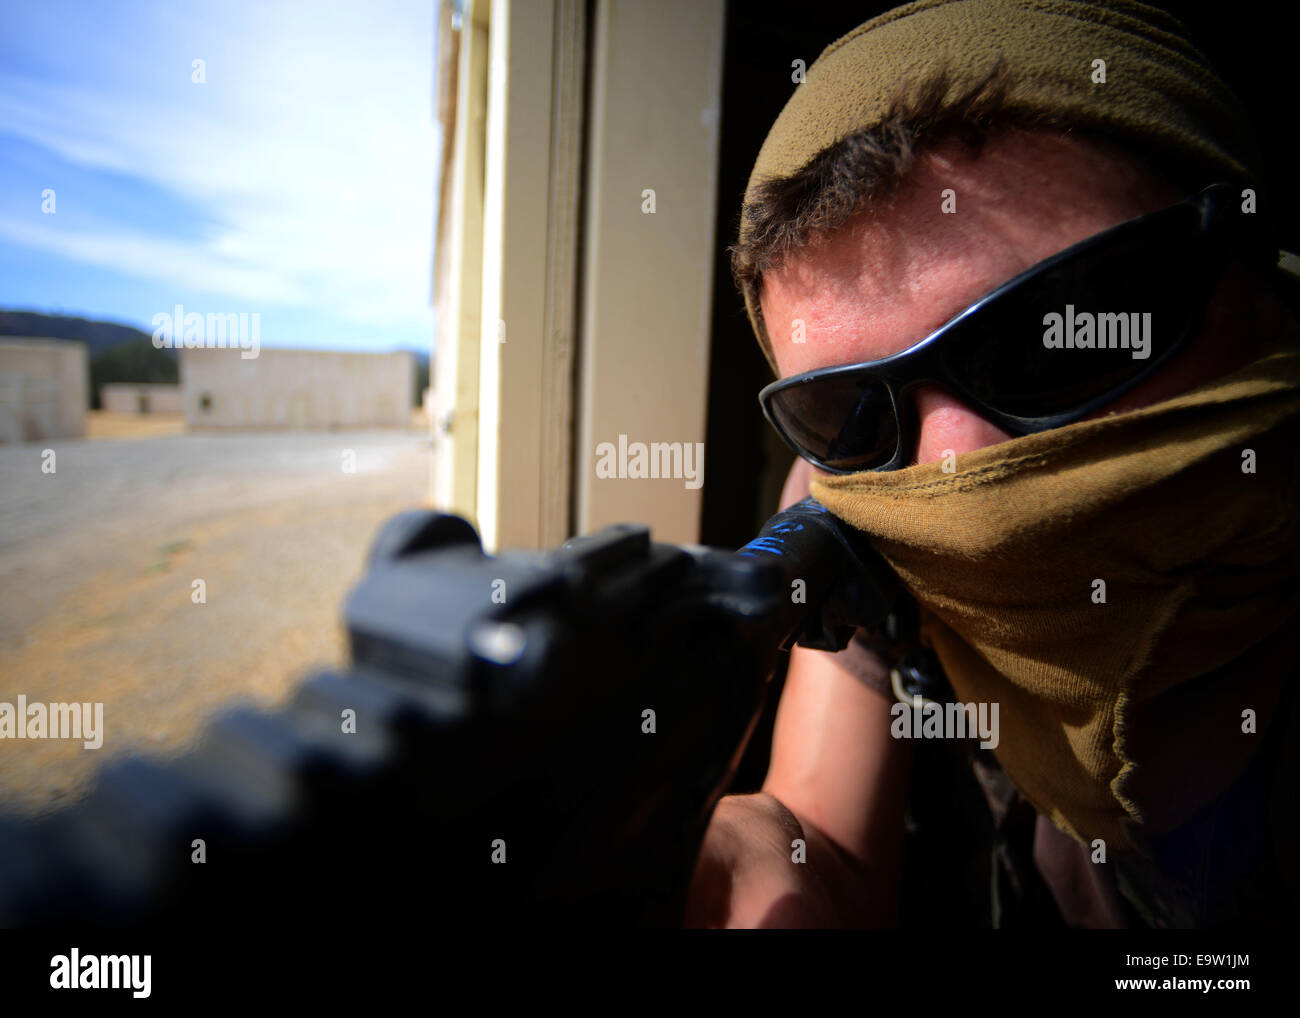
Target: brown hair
x,y
865,168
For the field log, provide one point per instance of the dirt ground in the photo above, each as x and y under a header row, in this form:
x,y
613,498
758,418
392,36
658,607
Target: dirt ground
x,y
98,562
104,424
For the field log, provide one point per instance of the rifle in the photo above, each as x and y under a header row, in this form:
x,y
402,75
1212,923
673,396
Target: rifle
x,y
532,738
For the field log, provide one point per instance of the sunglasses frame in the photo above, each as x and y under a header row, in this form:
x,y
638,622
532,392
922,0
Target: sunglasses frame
x,y
921,364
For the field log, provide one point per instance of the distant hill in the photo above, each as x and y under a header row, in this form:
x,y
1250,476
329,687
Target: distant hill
x,y
96,335
118,353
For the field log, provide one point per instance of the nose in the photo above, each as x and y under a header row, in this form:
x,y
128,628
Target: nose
x,y
949,427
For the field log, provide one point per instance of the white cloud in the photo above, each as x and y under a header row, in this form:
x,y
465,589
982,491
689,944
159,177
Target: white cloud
x,y
166,261
311,145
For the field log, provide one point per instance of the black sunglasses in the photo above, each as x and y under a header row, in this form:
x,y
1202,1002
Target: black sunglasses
x,y
1028,356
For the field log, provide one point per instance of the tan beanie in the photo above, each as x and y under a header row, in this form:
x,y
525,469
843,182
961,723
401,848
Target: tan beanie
x,y
1159,91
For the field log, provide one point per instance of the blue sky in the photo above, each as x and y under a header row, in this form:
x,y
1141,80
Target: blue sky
x,y
297,182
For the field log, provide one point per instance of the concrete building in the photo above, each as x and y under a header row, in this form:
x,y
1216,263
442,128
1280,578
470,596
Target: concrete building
x,y
296,389
140,398
44,384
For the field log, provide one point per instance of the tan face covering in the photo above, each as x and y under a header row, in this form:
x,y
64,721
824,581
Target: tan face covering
x,y
1124,588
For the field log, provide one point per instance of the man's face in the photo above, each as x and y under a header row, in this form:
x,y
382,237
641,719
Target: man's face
x,y
887,279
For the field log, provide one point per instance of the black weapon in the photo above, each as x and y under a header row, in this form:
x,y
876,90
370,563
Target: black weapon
x,y
528,738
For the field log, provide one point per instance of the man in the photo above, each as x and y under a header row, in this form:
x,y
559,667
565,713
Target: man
x,y
1121,584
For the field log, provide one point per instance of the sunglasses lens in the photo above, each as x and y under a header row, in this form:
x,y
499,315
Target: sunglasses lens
x,y
843,423
1083,328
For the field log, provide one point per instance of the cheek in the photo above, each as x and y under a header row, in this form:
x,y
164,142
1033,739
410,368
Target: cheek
x,y
947,424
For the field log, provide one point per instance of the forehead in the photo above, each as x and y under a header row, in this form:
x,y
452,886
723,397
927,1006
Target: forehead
x,y
872,290
890,276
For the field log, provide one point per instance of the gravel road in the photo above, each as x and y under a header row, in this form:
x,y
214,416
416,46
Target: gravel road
x,y
97,568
